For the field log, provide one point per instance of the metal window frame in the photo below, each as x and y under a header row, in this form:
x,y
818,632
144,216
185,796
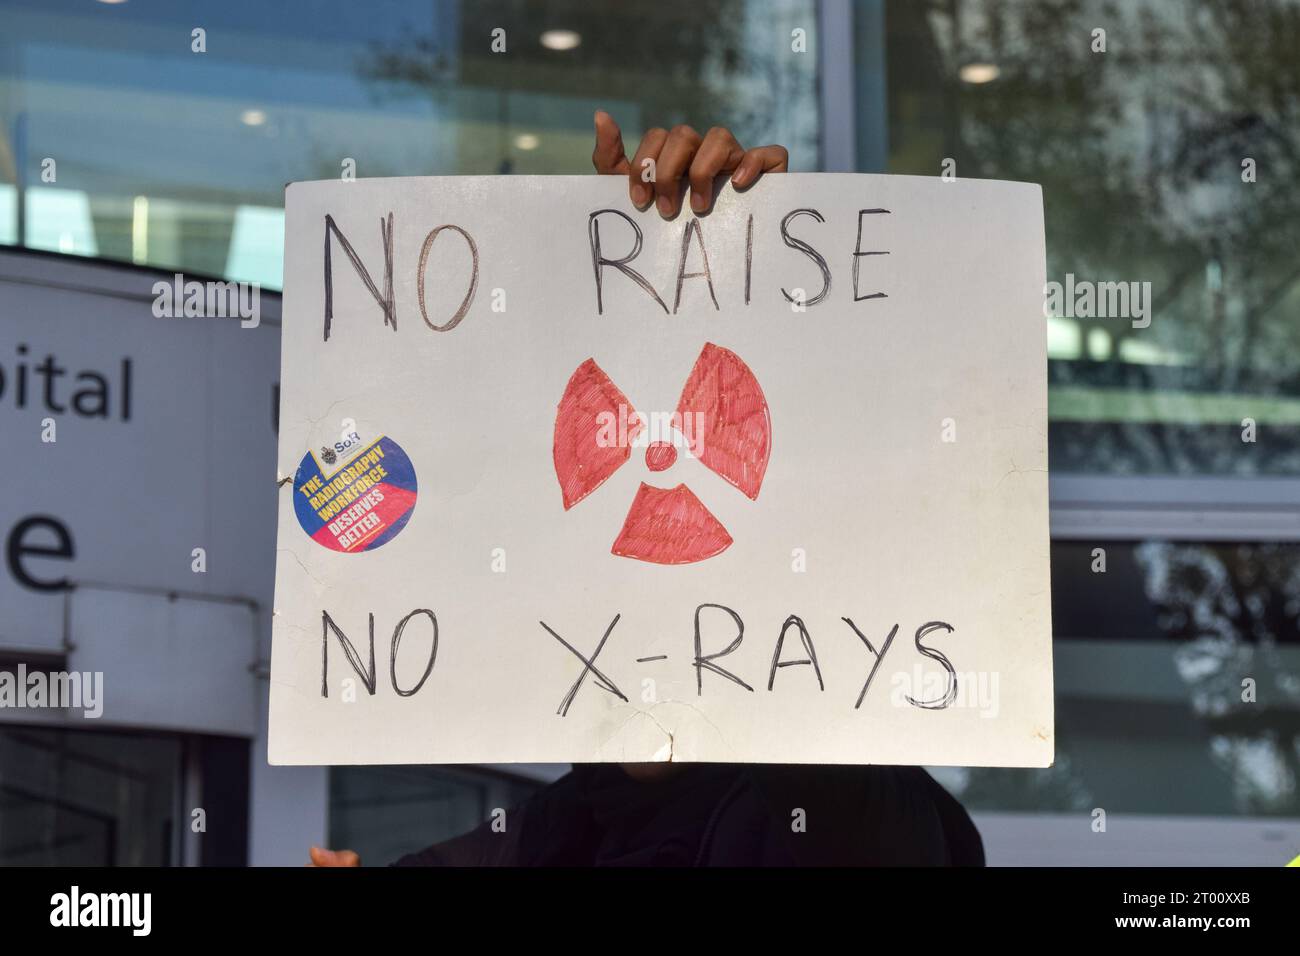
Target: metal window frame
x,y
835,74
1194,508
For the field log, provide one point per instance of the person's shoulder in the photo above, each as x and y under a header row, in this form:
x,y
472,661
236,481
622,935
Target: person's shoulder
x,y
841,814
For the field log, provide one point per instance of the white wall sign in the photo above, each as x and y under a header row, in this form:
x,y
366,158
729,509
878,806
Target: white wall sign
x,y
136,439
564,481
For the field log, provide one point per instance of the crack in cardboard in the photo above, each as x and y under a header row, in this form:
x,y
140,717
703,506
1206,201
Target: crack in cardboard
x,y
306,570
672,740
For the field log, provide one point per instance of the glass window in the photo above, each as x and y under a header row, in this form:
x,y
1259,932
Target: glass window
x,y
166,156
86,798
1165,146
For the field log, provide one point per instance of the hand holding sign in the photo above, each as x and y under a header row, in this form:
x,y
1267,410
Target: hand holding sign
x,y
321,857
667,160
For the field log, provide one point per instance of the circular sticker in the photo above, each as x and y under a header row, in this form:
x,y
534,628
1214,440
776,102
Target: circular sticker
x,y
357,495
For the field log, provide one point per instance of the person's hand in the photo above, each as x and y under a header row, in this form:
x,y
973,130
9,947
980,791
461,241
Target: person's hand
x,y
322,857
682,156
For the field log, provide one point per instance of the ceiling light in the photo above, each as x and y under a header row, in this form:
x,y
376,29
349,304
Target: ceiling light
x,y
252,117
560,39
978,73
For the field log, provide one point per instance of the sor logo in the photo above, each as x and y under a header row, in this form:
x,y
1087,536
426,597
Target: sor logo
x,y
350,440
734,435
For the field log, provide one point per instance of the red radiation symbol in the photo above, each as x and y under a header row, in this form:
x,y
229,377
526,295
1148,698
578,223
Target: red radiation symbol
x,y
732,437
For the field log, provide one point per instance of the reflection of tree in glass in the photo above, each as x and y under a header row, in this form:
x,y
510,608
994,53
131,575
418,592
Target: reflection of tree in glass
x,y
1059,788
1140,151
1229,606
701,62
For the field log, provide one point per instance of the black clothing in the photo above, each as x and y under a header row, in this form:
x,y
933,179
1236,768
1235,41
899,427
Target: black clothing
x,y
726,815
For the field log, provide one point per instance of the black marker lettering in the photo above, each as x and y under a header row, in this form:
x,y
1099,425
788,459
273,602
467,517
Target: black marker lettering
x,y
397,640
473,279
598,260
749,254
588,666
808,251
367,675
946,700
794,621
693,227
702,661
385,299
878,656
858,253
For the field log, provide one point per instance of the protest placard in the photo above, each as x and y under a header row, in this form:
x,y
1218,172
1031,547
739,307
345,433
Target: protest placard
x,y
564,481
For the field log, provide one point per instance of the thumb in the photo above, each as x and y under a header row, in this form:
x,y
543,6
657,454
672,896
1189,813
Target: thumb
x,y
609,156
323,857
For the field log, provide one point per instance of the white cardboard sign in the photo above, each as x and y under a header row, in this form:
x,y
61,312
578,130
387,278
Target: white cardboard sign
x,y
563,481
